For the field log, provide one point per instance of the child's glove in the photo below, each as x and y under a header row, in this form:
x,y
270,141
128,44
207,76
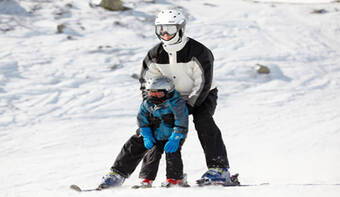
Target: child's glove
x,y
173,142
147,137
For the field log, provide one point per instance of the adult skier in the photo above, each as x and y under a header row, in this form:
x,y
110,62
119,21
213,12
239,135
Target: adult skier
x,y
190,65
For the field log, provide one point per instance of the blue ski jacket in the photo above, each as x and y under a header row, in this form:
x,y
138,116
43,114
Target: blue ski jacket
x,y
164,118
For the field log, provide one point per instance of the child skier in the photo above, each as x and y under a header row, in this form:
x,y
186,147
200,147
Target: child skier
x,y
163,125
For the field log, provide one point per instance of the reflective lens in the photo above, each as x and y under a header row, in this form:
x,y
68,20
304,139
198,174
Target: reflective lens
x,y
158,94
169,29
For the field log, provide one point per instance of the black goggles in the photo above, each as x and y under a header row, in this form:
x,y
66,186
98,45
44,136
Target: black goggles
x,y
166,29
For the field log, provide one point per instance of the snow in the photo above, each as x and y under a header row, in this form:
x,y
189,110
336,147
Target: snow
x,y
68,100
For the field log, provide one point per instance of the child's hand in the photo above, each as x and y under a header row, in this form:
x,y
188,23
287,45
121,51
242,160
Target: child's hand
x,y
148,142
147,137
173,142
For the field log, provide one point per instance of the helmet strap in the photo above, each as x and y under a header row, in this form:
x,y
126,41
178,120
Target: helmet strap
x,y
180,33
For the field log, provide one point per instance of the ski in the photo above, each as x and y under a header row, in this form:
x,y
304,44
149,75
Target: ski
x,y
141,186
163,185
78,189
234,183
168,185
200,183
249,185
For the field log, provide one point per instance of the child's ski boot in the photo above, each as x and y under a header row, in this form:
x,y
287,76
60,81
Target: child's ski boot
x,y
176,182
146,183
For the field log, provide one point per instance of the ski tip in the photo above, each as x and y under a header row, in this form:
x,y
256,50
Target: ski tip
x,y
136,186
186,185
76,188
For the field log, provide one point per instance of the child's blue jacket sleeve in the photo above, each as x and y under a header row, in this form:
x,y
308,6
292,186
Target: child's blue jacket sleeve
x,y
142,117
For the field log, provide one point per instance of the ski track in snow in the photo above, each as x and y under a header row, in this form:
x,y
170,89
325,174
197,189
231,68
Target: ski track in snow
x,y
68,100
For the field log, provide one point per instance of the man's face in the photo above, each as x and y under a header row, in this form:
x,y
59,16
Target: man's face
x,y
166,32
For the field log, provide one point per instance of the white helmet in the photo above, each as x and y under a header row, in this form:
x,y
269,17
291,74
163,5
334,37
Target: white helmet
x,y
171,22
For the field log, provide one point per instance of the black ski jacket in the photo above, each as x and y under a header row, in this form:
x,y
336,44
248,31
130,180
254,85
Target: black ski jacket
x,y
190,67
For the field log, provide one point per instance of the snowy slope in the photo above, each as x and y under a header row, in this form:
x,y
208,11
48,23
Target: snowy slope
x,y
68,100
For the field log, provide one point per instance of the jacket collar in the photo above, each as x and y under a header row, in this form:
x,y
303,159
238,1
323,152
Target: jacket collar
x,y
176,47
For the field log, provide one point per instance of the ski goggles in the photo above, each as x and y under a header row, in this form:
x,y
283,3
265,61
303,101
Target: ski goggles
x,y
156,93
166,29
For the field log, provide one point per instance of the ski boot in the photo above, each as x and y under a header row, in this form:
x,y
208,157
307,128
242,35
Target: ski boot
x,y
112,179
215,176
146,183
176,182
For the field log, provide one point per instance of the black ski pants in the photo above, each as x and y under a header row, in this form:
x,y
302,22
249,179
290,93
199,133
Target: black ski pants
x,y
174,163
208,132
134,151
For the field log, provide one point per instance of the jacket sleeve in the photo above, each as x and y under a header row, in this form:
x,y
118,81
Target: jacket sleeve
x,y
180,111
203,75
142,117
